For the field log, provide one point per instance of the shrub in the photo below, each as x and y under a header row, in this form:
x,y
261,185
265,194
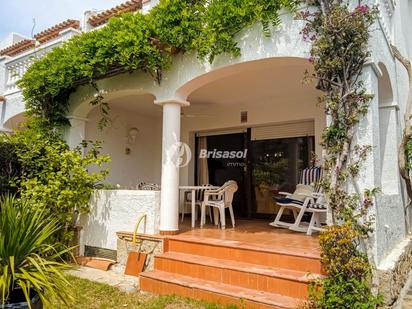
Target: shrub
x,y
9,167
348,270
340,253
55,176
28,261
338,292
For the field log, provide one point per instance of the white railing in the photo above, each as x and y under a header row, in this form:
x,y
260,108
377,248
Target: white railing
x,y
16,66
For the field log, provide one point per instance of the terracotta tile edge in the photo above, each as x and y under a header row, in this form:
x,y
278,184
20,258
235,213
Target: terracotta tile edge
x,y
212,241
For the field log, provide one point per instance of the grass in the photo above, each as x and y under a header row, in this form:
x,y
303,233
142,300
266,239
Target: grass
x,y
93,295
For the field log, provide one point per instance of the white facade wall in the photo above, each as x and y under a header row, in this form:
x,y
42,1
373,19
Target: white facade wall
x,y
112,211
143,164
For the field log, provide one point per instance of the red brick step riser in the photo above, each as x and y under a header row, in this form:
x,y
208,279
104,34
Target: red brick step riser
x,y
166,288
246,279
259,257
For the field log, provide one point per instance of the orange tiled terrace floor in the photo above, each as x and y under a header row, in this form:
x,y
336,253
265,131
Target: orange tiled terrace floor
x,y
253,234
253,265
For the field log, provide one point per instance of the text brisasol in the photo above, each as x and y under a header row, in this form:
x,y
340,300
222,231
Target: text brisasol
x,y
222,154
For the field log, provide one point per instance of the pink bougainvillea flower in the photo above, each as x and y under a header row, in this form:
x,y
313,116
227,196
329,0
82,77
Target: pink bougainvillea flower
x,y
361,9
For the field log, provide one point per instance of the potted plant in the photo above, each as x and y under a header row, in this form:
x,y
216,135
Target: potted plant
x,y
31,267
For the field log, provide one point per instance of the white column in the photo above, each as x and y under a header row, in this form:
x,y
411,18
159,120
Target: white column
x,y
76,133
169,198
389,143
368,131
368,134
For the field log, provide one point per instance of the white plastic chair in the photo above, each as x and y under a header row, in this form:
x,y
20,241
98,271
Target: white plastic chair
x,y
316,205
312,202
148,186
199,196
221,199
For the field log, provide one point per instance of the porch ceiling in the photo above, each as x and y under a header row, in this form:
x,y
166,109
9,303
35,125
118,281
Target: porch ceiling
x,y
139,104
258,84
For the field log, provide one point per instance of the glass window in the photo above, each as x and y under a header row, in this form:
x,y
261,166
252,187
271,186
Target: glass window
x,y
277,164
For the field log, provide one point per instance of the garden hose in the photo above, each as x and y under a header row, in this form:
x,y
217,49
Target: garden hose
x,y
141,218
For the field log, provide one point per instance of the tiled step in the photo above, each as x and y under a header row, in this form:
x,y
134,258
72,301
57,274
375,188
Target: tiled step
x,y
263,278
161,282
272,256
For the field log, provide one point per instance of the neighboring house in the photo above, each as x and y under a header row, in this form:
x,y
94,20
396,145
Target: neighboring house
x,y
256,101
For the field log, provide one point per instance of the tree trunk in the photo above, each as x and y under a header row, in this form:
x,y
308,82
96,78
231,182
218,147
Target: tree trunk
x,y
407,134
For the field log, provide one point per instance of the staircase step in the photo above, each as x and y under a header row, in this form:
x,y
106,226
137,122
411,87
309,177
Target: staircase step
x,y
274,280
160,282
279,257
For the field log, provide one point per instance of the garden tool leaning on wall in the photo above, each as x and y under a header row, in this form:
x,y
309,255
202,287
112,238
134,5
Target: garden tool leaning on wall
x,y
136,259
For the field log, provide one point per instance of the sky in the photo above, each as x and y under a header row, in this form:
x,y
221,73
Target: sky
x,y
17,15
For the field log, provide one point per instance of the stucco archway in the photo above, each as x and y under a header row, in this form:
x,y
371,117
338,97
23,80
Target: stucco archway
x,y
15,121
254,68
388,133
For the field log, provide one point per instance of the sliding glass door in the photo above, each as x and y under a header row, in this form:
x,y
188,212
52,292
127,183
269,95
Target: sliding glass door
x,y
263,168
276,165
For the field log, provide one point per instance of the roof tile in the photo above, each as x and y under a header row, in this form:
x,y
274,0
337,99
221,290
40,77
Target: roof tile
x,y
18,47
102,17
54,31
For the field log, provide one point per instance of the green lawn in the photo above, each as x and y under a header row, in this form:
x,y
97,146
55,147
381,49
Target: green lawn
x,y
93,295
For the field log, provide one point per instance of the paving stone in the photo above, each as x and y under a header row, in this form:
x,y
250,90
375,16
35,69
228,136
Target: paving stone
x,y
111,277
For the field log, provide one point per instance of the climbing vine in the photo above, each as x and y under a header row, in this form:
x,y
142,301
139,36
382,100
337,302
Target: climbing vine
x,y
339,37
144,42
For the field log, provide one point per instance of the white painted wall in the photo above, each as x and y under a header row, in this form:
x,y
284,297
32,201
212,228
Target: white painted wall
x,y
112,211
143,164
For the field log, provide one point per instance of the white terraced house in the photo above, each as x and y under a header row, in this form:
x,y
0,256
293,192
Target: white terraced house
x,y
250,119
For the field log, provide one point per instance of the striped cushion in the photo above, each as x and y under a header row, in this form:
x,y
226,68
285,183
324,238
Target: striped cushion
x,y
285,201
310,175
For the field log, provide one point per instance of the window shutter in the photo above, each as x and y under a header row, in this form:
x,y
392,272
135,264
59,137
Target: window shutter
x,y
284,130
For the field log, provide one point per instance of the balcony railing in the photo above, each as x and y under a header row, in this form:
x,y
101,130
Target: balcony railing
x,y
15,69
16,66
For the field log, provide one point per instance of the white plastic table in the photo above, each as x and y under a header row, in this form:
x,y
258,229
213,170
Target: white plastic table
x,y
192,190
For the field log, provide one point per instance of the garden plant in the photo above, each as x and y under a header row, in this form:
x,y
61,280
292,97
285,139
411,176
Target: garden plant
x,y
31,262
340,35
